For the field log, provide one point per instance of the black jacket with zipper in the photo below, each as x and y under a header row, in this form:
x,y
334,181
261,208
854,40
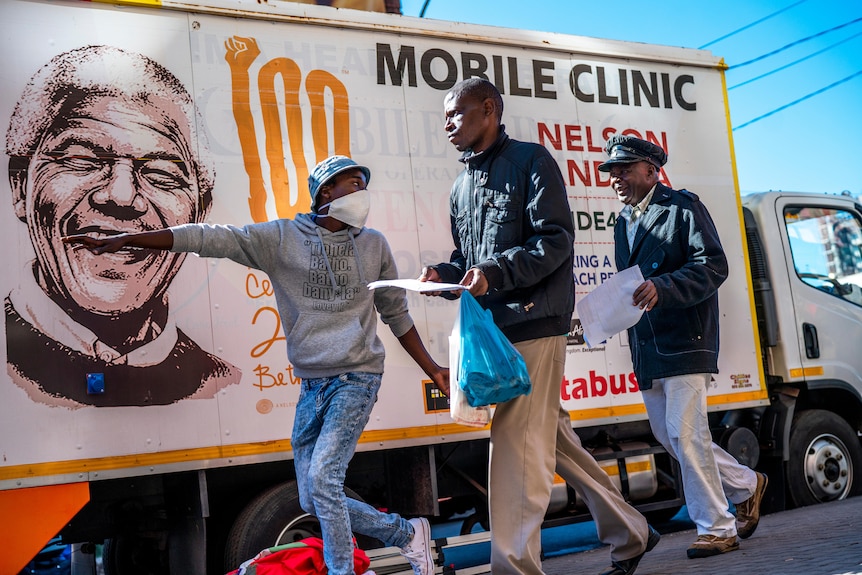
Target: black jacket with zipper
x,y
510,218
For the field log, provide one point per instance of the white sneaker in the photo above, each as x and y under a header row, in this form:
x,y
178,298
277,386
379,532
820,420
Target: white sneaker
x,y
418,551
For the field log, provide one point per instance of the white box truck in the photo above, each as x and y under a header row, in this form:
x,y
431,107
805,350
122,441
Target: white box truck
x,y
148,402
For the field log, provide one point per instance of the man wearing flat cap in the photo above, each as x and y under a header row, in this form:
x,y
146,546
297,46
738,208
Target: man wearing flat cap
x,y
330,324
670,235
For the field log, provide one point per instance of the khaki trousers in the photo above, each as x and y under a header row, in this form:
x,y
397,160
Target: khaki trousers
x,y
618,524
531,436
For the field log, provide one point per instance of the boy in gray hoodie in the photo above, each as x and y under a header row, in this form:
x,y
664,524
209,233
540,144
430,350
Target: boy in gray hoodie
x,y
319,265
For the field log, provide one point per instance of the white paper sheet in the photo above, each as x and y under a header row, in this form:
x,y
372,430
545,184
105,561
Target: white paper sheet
x,y
608,309
415,285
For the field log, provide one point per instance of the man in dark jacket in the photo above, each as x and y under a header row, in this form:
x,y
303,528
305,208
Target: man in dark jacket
x,y
513,234
670,235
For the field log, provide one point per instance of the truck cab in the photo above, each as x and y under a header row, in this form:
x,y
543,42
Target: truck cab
x,y
805,253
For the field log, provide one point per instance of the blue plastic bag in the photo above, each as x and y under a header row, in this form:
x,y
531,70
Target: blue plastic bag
x,y
491,369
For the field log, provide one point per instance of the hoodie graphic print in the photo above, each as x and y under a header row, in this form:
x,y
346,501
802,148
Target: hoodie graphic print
x,y
319,279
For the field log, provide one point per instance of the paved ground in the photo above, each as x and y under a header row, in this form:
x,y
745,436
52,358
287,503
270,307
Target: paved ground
x,y
819,540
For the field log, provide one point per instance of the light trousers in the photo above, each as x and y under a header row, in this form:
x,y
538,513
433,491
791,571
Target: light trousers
x,y
618,524
676,407
531,436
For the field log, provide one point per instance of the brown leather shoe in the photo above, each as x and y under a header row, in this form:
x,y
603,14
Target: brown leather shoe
x,y
748,512
709,545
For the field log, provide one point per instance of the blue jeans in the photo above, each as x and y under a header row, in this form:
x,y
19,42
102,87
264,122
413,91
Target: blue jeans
x,y
330,416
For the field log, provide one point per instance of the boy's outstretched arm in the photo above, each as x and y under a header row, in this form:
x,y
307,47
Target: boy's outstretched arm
x,y
412,343
156,239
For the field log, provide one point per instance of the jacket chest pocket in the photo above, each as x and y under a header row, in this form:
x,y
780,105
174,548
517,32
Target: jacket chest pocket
x,y
653,265
502,228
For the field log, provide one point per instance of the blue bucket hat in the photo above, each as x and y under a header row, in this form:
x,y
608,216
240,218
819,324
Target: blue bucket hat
x,y
328,169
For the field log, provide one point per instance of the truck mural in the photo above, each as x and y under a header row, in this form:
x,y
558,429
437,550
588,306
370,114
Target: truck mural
x,y
148,399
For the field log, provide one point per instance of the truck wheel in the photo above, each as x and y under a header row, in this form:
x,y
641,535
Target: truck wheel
x,y
825,459
662,516
134,555
274,517
472,520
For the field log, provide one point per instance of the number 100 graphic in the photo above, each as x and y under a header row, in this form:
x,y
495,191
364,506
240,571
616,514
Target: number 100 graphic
x,y
240,54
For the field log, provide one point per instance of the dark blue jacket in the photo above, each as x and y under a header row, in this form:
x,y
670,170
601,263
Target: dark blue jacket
x,y
677,247
510,217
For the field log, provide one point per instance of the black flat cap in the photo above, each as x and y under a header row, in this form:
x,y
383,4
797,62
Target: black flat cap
x,y
628,149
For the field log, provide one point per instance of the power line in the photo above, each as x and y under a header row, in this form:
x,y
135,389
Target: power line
x,y
424,7
753,60
796,61
752,24
803,98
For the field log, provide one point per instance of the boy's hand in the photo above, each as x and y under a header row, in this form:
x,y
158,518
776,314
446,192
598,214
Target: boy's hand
x,y
441,380
108,244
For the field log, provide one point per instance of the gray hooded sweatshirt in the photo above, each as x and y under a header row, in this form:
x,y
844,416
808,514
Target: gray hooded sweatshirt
x,y
320,283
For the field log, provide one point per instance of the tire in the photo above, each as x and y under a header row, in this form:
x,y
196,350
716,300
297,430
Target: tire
x,y
825,459
471,521
662,516
275,517
134,556
742,444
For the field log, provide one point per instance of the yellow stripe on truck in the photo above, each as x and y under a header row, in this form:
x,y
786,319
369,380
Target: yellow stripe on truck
x,y
800,372
225,452
757,395
631,468
149,3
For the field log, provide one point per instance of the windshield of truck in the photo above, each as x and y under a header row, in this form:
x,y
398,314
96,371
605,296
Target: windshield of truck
x,y
826,246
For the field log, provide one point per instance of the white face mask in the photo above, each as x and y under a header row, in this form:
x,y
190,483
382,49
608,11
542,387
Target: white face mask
x,y
351,209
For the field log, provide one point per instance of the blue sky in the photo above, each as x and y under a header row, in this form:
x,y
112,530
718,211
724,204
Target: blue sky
x,y
814,145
